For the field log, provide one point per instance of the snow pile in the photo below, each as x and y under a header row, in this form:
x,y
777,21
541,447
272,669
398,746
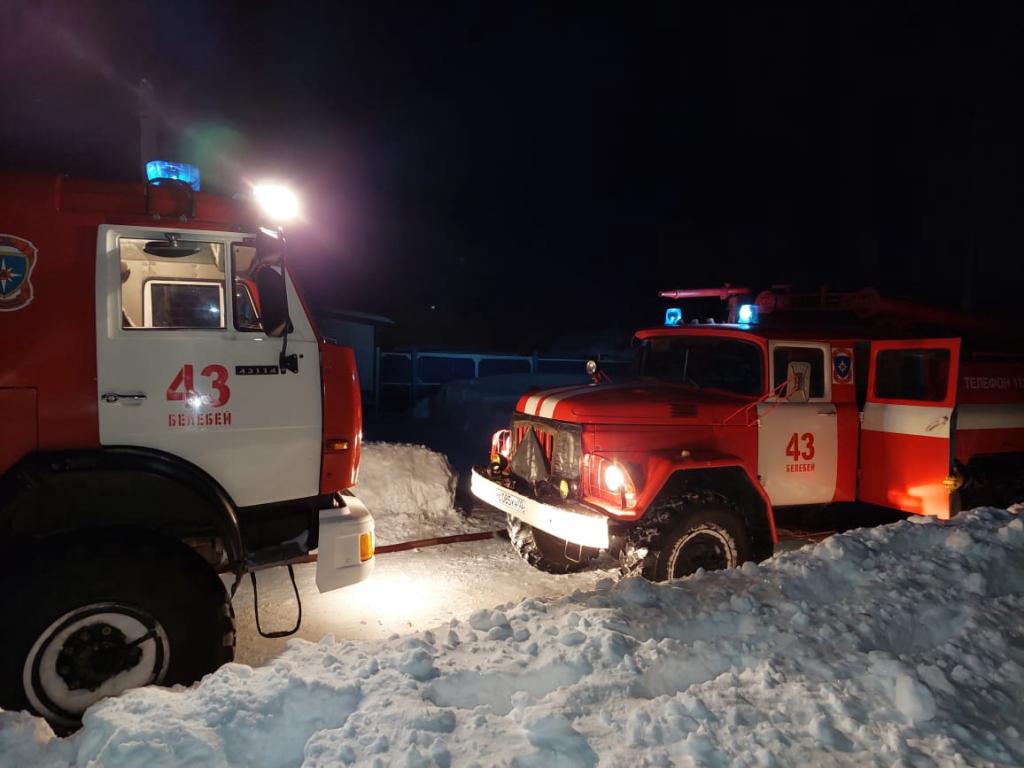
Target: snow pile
x,y
409,490
895,645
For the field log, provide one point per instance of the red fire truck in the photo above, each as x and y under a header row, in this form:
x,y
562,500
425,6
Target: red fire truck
x,y
681,466
169,413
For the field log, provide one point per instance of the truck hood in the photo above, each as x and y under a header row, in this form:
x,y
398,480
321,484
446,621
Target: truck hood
x,y
634,402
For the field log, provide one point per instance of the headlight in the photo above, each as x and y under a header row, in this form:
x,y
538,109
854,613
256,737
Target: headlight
x,y
614,478
278,202
609,483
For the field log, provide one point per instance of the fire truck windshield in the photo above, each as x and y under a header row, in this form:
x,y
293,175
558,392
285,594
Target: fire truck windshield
x,y
705,362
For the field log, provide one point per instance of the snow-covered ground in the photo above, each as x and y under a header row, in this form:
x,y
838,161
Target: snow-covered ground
x,y
408,591
410,491
899,645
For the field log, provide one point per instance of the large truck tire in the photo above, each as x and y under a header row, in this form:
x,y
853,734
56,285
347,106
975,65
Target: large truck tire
x,y
544,551
93,618
682,538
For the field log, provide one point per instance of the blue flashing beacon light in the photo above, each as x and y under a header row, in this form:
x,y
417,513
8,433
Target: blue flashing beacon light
x,y
673,316
166,169
747,314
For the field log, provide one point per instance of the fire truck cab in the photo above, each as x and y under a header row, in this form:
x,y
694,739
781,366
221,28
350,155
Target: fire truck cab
x,y
681,466
170,414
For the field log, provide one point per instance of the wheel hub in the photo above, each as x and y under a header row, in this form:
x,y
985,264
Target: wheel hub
x,y
90,652
95,653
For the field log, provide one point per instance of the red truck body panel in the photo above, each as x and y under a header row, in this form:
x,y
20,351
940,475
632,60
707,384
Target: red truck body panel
x,y
55,351
342,416
643,424
48,375
990,393
60,365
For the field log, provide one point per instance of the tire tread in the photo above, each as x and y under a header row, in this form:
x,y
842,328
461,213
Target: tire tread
x,y
61,564
526,545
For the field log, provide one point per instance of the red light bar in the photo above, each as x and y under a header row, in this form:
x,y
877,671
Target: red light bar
x,y
723,293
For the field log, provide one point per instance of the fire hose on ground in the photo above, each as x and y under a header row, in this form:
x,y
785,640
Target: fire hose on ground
x,y
405,546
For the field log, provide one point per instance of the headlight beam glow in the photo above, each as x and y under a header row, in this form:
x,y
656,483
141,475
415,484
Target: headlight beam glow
x,y
277,201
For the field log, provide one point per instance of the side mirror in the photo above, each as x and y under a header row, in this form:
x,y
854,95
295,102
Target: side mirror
x,y
270,283
273,300
597,376
798,382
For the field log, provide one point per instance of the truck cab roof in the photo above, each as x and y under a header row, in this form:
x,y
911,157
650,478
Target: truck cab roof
x,y
999,341
35,194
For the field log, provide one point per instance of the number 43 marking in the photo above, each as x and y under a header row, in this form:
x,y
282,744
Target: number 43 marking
x,y
793,447
183,386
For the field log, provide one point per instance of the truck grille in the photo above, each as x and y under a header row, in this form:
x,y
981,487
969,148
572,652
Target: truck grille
x,y
562,445
545,437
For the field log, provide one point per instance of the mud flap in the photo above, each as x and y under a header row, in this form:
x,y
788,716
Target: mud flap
x,y
339,562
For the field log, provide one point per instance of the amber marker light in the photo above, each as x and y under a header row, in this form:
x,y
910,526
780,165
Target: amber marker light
x,y
365,546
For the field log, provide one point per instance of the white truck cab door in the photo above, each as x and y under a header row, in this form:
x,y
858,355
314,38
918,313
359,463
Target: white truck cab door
x,y
182,366
797,442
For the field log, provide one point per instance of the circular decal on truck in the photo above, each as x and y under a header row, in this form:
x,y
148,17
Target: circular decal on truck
x,y
17,258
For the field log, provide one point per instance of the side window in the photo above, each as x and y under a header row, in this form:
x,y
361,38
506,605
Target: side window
x,y
247,303
171,292
912,374
783,356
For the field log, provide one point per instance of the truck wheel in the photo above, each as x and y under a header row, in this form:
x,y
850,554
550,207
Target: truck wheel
x,y
712,538
544,551
104,615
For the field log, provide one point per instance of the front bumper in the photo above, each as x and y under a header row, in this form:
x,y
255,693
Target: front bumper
x,y
570,521
339,561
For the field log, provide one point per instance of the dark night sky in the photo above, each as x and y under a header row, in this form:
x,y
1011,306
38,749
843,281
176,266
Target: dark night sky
x,y
537,169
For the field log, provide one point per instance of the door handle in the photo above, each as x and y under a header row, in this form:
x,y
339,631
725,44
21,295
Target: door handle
x,y
942,420
826,411
134,398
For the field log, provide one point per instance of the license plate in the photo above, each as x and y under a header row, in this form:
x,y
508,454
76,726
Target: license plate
x,y
511,503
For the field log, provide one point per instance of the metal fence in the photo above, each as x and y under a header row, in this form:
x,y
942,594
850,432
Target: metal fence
x,y
407,376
